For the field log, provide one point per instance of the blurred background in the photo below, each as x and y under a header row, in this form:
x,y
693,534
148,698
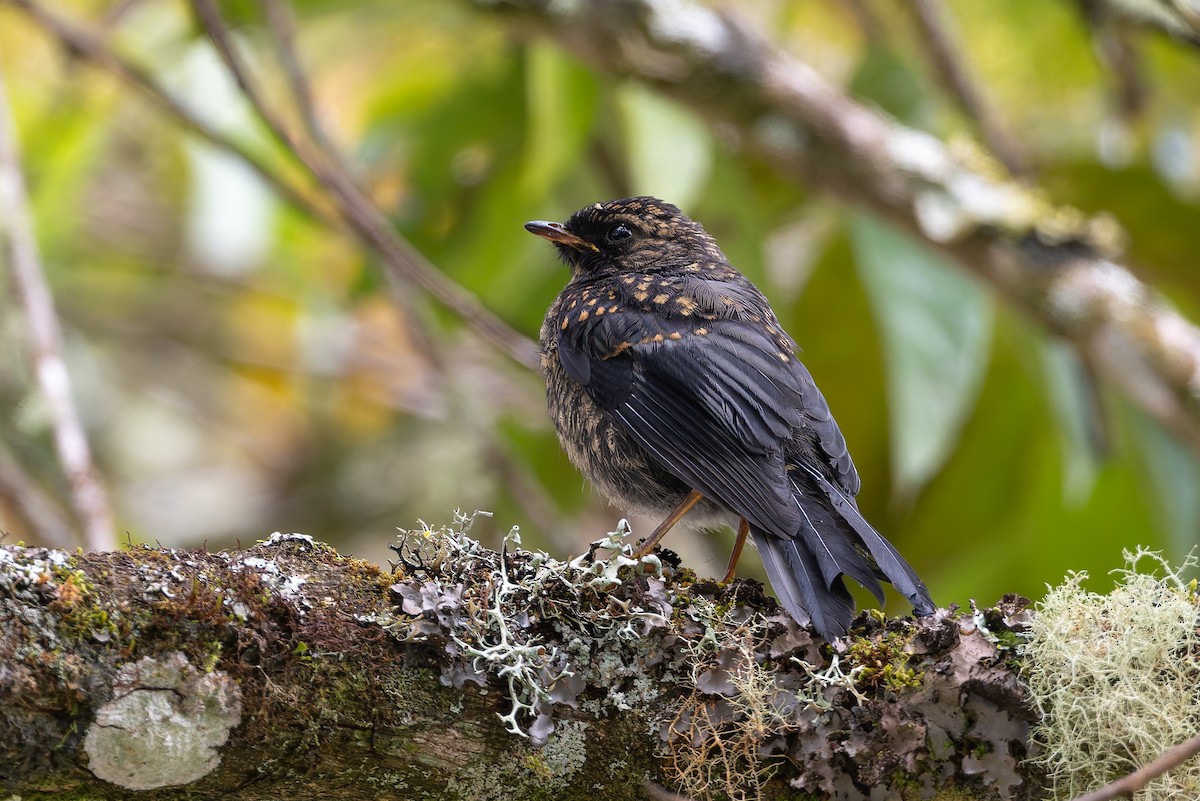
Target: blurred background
x,y
240,366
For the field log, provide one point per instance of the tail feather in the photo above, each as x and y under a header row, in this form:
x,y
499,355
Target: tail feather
x,y
833,546
891,564
800,583
833,540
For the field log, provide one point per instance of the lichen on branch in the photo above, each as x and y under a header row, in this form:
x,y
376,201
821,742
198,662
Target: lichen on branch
x,y
735,695
470,672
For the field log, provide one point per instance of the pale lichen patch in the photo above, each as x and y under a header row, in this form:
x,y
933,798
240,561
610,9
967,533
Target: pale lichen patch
x,y
164,724
1117,678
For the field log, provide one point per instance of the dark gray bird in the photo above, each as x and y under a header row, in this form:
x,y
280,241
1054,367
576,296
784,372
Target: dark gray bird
x,y
673,386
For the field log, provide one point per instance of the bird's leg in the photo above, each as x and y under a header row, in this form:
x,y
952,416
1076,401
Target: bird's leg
x,y
738,544
648,544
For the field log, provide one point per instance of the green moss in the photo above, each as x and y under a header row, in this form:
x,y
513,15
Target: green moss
x,y
81,618
955,794
536,765
885,662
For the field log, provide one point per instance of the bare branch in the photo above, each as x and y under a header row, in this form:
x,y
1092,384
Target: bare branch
x,y
88,495
362,216
355,213
1178,18
1059,266
954,73
1127,785
283,29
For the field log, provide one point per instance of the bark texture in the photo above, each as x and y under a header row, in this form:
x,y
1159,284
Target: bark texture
x,y
288,670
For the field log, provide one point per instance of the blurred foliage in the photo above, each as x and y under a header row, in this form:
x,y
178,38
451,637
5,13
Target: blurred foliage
x,y
241,368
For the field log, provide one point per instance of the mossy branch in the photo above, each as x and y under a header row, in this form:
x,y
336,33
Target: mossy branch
x,y
288,670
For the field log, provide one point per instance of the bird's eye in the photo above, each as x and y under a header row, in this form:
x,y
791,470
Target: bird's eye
x,y
618,233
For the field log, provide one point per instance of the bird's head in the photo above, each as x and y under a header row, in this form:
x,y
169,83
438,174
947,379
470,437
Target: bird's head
x,y
635,234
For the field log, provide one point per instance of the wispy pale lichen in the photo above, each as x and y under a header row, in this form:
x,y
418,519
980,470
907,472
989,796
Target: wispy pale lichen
x,y
1117,678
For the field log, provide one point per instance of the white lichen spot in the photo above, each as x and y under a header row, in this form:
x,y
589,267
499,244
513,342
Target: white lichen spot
x,y
1181,340
992,202
31,567
278,538
940,217
565,753
1102,288
921,154
687,24
164,725
963,201
287,586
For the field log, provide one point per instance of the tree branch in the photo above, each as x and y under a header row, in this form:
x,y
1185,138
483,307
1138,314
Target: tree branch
x,y
1128,785
289,671
354,213
283,31
1058,266
88,496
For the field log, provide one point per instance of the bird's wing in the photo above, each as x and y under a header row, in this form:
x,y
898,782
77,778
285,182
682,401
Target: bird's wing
x,y
833,450
824,445
713,400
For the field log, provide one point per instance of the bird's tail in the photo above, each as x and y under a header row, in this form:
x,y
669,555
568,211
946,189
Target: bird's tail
x,y
834,540
803,591
888,563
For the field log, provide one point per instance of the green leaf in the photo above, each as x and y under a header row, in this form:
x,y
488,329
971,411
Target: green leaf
x,y
1070,393
561,108
1173,474
669,149
936,327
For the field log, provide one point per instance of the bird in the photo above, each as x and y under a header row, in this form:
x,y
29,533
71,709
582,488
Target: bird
x,y
674,389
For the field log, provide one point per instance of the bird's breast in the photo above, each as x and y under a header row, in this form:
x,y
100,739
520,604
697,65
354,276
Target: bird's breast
x,y
596,443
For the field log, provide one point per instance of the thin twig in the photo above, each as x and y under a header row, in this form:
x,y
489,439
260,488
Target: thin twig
x,y
118,12
88,495
361,214
368,225
1173,757
1122,58
954,73
866,20
283,29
